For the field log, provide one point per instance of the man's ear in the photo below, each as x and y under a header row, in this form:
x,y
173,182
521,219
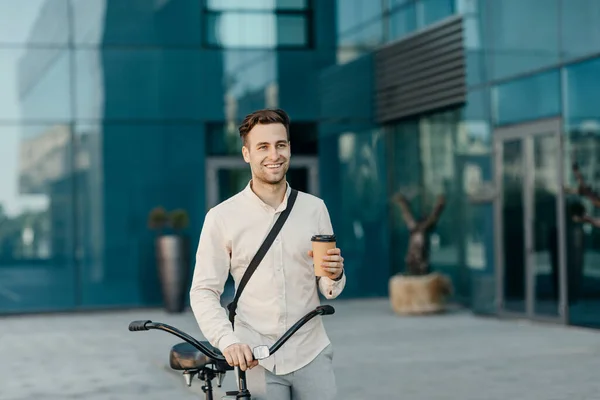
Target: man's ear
x,y
246,154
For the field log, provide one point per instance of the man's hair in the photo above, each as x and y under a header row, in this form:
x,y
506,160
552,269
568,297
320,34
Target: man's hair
x,y
264,116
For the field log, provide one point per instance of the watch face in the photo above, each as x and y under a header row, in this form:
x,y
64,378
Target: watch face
x,y
261,352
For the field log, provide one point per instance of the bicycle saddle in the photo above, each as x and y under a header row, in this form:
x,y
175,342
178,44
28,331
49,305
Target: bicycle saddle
x,y
185,356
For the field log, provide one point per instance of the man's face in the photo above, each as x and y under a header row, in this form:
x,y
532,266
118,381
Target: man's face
x,y
267,150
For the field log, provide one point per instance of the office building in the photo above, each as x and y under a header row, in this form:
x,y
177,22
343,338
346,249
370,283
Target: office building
x,y
111,108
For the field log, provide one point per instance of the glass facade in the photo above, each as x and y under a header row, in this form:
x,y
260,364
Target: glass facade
x,y
109,108
516,75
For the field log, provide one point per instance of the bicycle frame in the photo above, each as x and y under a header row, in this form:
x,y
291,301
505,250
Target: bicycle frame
x,y
259,352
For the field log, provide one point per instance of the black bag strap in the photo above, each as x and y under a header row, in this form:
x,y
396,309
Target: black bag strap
x,y
261,253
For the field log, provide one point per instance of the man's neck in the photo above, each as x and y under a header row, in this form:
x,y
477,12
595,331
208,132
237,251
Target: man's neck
x,y
271,194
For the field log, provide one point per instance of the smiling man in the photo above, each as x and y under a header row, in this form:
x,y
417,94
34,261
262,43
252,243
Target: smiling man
x,y
283,287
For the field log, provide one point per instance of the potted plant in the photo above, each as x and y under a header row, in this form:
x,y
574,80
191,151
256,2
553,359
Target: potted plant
x,y
172,255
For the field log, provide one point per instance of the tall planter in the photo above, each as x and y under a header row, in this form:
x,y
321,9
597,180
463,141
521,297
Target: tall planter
x,y
172,256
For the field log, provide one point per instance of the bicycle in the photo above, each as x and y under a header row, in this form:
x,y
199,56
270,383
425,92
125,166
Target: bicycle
x,y
201,359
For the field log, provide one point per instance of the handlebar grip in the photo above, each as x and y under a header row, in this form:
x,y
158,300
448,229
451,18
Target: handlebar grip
x,y
138,325
326,310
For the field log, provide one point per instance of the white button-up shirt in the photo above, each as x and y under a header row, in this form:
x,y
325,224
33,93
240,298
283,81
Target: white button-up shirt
x,y
283,287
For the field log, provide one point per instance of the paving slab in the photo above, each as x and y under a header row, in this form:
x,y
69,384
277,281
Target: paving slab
x,y
378,355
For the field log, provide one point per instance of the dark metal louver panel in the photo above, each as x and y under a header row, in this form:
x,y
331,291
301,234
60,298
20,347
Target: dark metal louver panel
x,y
421,73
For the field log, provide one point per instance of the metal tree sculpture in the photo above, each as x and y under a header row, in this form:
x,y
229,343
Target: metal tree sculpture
x,y
584,190
417,256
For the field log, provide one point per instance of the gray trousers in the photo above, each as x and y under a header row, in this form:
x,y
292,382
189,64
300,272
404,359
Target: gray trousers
x,y
315,381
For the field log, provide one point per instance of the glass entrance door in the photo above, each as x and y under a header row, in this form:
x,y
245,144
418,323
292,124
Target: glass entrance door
x,y
226,176
529,219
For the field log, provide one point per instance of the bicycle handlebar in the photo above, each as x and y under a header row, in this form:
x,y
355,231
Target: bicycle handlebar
x,y
145,325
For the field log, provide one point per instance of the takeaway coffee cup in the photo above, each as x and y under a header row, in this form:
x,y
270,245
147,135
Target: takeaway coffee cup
x,y
320,245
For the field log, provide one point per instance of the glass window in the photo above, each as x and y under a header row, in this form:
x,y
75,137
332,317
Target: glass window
x,y
431,11
34,22
242,30
583,93
133,22
35,84
524,35
580,27
36,218
347,15
363,205
224,5
291,30
528,98
148,84
475,40
583,146
368,36
402,21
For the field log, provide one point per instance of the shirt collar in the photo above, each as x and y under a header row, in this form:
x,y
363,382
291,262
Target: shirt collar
x,y
250,193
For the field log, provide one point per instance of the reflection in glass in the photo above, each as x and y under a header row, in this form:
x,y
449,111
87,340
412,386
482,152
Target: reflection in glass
x,y
402,21
35,84
437,147
135,22
580,30
583,146
513,214
259,30
222,5
251,81
36,235
34,22
545,259
516,47
431,11
526,99
364,210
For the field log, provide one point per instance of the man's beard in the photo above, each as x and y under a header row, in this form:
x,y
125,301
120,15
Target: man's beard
x,y
265,178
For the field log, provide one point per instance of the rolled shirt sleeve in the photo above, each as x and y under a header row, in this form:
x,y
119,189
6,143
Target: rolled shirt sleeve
x,y
210,274
328,287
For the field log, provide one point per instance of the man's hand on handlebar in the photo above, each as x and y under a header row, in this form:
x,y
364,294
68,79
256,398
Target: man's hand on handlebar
x,y
240,354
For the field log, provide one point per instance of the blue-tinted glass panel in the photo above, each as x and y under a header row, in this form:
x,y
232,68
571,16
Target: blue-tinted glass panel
x,y
256,30
364,224
580,27
402,21
583,93
292,30
36,218
35,84
524,35
130,169
405,173
583,146
473,160
223,5
431,11
148,84
34,22
251,80
368,36
475,40
352,14
529,98
134,22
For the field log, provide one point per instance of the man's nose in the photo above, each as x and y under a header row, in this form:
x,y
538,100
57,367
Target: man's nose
x,y
273,153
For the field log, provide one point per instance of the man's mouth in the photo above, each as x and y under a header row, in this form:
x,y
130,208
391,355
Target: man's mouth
x,y
273,166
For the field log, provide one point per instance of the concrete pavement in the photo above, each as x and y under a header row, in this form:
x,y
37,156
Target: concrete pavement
x,y
377,356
